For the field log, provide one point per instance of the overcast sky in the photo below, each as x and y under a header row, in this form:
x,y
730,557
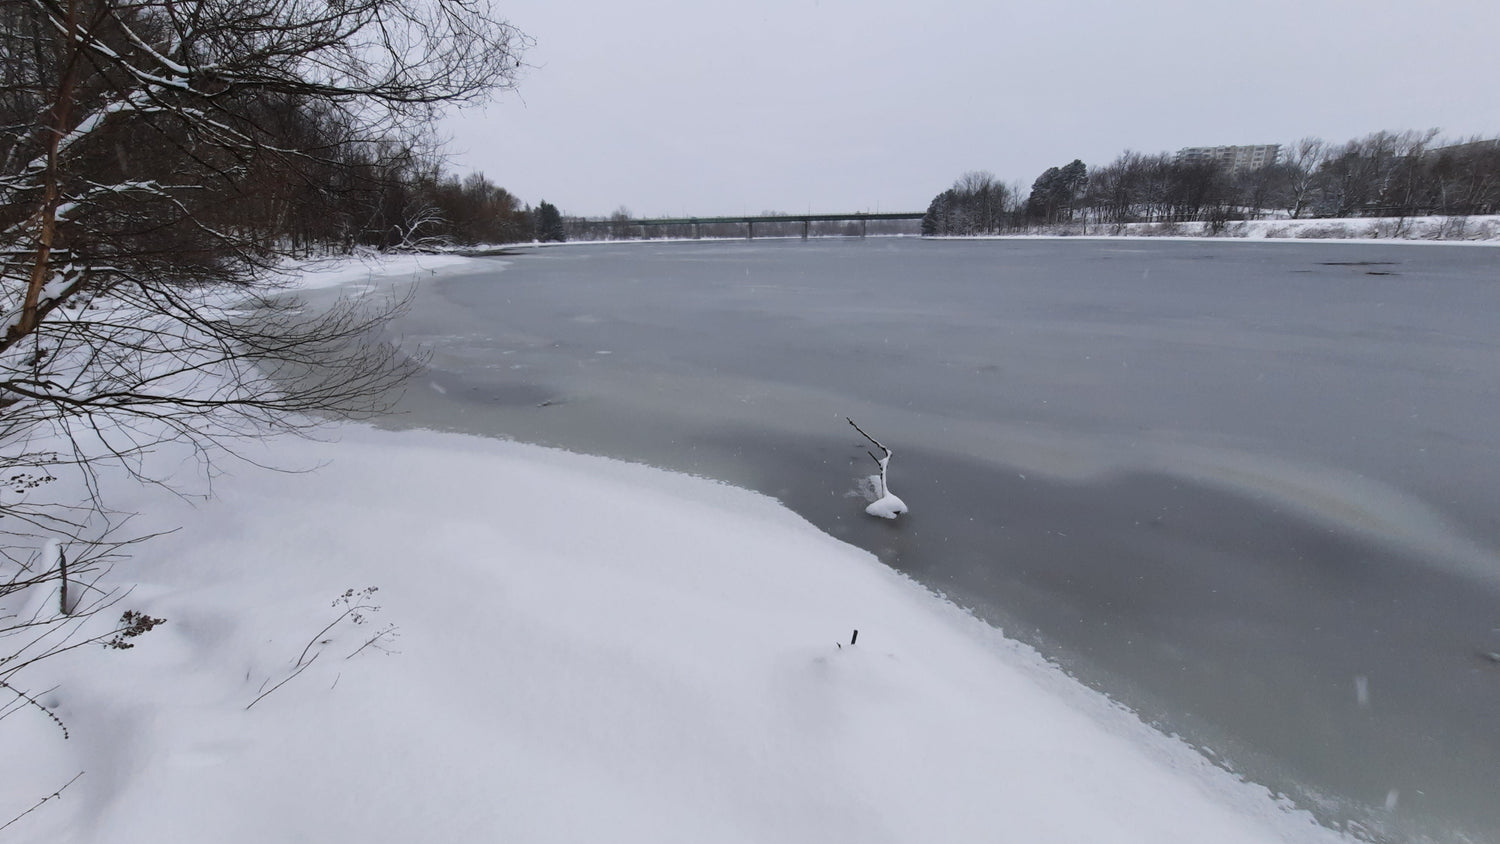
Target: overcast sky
x,y
696,107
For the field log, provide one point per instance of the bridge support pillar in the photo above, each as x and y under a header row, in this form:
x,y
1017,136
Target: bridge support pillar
x,y
862,223
749,229
805,225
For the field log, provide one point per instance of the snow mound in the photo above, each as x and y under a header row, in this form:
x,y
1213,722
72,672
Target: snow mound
x,y
887,506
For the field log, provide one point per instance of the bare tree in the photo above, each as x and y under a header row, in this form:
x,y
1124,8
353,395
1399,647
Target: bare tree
x,y
136,136
1302,163
978,203
158,161
1464,177
983,200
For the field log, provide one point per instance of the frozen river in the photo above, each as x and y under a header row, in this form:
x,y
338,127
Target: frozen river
x,y
1248,489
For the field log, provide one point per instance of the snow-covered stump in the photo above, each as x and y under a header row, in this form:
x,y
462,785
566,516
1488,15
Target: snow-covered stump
x,y
53,551
888,505
49,598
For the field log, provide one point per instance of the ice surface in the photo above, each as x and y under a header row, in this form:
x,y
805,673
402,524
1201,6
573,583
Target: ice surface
x,y
1213,459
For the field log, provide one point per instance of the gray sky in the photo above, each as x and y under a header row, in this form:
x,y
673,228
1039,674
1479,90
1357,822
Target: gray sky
x,y
695,107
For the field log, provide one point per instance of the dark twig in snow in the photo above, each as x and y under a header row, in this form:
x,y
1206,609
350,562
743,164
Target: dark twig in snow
x,y
387,632
356,609
355,606
31,701
56,795
301,668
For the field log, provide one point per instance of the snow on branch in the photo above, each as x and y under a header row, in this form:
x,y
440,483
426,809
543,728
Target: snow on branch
x,y
887,506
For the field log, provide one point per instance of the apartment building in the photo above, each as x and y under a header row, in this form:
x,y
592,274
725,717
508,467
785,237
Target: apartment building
x,y
1234,158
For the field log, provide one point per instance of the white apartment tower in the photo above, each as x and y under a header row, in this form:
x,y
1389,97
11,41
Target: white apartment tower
x,y
1234,158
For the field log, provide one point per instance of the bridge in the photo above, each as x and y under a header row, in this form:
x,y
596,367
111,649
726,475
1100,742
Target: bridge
x,y
749,221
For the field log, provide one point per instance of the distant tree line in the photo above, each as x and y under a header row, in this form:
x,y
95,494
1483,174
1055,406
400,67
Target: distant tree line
x,y
393,197
430,210
405,205
1384,174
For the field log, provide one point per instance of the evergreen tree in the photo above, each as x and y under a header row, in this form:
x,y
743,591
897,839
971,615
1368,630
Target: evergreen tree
x,y
933,223
549,223
1055,193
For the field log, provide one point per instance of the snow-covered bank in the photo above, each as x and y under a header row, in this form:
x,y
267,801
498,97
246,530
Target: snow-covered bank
x,y
584,650
587,650
374,268
1483,230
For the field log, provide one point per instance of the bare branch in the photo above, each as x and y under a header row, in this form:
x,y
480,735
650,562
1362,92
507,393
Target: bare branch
x,y
56,795
300,668
33,702
887,505
871,439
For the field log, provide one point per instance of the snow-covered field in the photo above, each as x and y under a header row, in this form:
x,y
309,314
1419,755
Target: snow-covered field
x,y
566,649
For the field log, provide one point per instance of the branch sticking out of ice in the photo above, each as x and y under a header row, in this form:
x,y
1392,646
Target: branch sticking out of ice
x,y
887,506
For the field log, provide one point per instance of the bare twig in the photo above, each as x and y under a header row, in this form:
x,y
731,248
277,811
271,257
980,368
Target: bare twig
x,y
882,462
877,443
385,632
37,704
301,668
355,610
355,607
56,795
314,639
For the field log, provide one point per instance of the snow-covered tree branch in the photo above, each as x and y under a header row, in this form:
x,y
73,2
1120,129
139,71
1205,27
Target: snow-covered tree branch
x,y
886,505
150,155
159,160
